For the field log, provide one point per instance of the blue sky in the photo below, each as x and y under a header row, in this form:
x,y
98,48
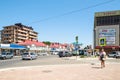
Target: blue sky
x,y
61,29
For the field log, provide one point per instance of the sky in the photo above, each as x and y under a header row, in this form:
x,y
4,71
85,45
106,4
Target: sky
x,y
56,20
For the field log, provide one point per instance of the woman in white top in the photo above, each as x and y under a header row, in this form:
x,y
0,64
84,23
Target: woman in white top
x,y
102,58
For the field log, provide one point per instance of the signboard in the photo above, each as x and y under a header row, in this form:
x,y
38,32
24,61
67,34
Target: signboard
x,y
108,34
108,13
4,45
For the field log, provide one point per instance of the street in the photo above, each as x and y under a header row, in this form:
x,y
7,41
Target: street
x,y
54,68
52,60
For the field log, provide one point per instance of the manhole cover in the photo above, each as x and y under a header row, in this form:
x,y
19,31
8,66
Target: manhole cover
x,y
47,71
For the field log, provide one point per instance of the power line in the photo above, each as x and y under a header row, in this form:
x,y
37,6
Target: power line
x,y
75,11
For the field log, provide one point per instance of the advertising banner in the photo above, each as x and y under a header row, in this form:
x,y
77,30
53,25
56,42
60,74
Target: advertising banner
x,y
108,34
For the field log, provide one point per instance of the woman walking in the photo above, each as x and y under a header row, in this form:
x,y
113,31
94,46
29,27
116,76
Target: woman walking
x,y
102,58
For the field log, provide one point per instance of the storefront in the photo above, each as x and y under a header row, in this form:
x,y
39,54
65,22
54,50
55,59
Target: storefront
x,y
13,48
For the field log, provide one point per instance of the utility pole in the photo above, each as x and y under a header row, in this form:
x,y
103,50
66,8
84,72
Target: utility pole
x,y
76,38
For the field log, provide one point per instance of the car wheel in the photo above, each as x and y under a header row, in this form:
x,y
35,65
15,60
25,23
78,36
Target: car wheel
x,y
60,56
114,56
11,57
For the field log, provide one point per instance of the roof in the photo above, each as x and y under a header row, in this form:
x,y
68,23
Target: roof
x,y
30,42
58,45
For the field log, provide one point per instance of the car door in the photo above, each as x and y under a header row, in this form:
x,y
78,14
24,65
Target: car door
x,y
33,56
7,55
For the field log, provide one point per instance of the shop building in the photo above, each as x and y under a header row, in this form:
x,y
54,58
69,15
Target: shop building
x,y
107,30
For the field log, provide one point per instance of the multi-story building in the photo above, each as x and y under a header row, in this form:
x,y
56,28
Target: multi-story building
x,y
0,36
107,30
17,33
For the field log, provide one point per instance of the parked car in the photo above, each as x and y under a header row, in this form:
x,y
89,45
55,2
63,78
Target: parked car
x,y
113,54
29,55
118,54
54,52
64,54
74,53
43,54
6,55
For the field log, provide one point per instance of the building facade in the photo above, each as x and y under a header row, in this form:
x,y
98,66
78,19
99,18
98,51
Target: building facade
x,y
17,33
107,30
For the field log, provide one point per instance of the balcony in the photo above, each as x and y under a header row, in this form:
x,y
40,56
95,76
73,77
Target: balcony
x,y
8,28
34,34
19,41
23,31
27,29
21,37
7,32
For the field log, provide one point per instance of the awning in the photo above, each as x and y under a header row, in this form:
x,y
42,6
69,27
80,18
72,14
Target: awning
x,y
16,46
5,46
11,46
98,47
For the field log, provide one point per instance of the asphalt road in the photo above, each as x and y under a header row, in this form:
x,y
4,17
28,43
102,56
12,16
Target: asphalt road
x,y
51,60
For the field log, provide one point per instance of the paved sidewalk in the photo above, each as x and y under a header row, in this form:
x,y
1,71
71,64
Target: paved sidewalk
x,y
63,72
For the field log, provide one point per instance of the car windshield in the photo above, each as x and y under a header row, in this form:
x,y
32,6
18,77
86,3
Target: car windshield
x,y
32,53
25,53
9,53
113,53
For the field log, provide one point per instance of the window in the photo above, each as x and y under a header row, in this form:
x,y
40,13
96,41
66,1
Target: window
x,y
108,20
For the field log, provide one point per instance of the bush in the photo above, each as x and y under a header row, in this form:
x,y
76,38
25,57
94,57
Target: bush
x,y
82,56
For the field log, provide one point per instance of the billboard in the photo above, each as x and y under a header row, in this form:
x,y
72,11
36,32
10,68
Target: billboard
x,y
108,34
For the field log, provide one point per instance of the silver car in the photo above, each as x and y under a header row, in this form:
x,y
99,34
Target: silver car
x,y
6,55
29,55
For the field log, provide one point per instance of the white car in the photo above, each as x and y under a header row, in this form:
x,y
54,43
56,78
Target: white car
x,y
43,54
29,55
113,54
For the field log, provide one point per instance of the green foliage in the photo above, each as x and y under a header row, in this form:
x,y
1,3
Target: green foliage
x,y
47,42
82,56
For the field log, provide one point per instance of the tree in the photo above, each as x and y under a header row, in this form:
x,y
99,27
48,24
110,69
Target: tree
x,y
47,42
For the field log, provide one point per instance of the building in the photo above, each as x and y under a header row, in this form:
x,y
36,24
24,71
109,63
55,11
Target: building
x,y
107,30
0,36
17,33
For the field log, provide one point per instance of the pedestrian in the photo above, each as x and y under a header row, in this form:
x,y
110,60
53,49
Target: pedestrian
x,y
102,58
